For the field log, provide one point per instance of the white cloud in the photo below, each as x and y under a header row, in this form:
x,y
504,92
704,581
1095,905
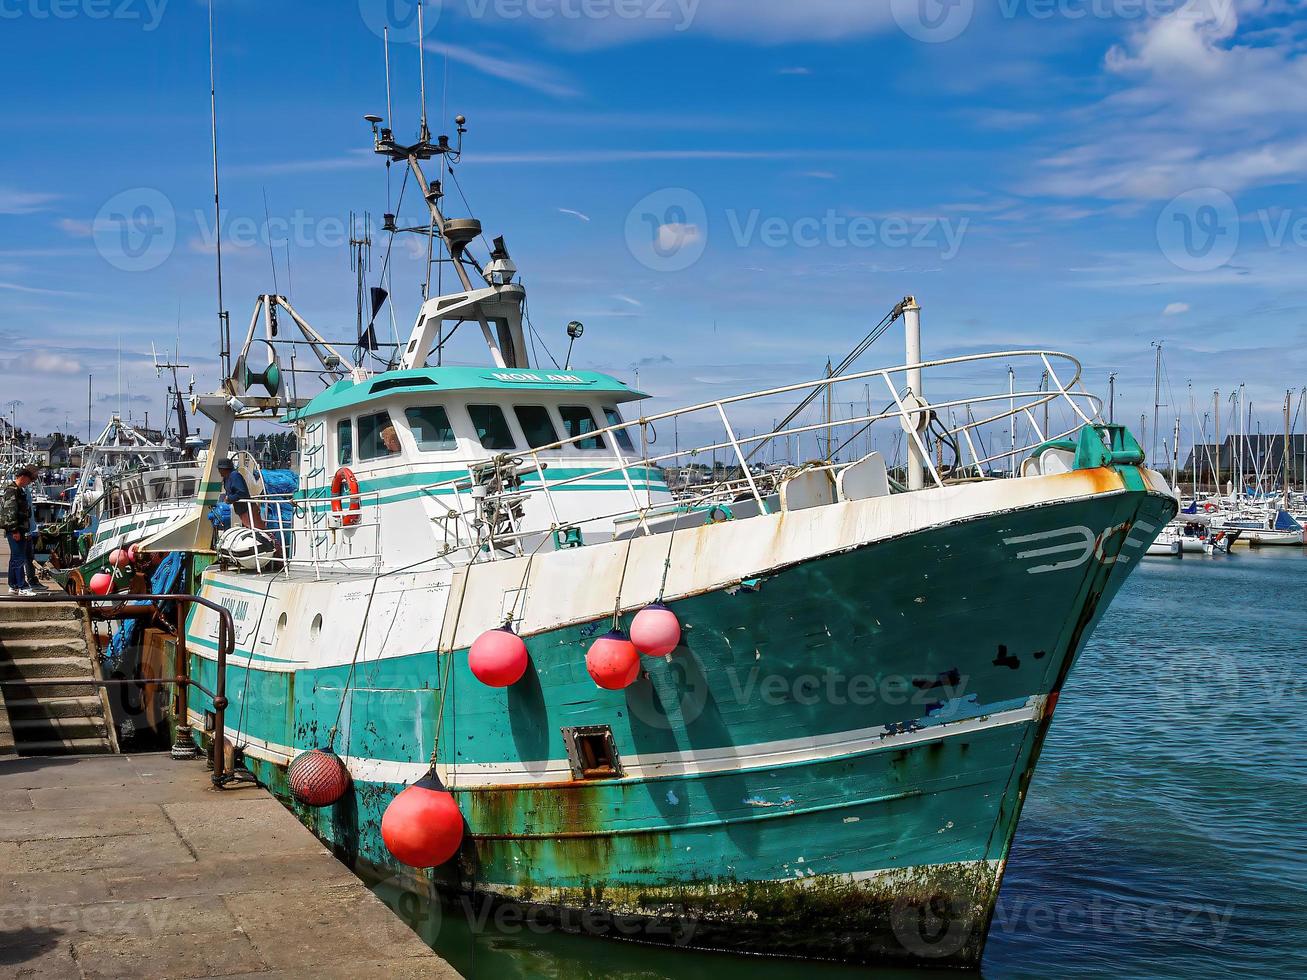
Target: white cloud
x,y
674,236
756,21
575,214
76,227
1175,309
24,202
1204,99
539,78
48,362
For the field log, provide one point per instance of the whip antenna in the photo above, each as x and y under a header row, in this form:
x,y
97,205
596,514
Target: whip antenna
x,y
385,40
425,134
224,327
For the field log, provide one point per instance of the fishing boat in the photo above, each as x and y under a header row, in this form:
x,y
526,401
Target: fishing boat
x,y
831,761
132,485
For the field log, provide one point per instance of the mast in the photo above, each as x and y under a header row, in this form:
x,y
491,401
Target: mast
x,y
1157,398
1288,397
1216,412
1175,454
506,341
1243,443
916,440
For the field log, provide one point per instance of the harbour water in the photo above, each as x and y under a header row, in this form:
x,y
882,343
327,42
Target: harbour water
x,y
1163,835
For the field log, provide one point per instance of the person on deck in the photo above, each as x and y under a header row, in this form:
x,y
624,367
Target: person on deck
x,y
16,520
236,491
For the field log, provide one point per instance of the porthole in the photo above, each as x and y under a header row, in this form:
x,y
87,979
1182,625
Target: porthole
x,y
315,628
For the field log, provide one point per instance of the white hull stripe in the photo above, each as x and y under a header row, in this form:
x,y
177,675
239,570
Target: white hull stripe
x,y
784,752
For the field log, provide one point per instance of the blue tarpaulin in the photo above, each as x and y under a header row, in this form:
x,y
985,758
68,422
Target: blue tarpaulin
x,y
166,579
276,483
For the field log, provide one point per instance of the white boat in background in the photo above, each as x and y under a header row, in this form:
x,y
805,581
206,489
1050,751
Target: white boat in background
x,y
1276,528
1167,545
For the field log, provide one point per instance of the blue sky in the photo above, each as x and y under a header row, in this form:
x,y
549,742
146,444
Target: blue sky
x,y
1085,175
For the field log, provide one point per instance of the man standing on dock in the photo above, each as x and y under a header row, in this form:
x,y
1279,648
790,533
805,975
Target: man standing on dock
x,y
16,520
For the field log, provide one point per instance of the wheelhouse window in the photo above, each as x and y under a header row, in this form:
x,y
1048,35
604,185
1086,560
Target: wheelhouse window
x,y
536,425
491,426
431,429
614,417
344,442
377,437
578,420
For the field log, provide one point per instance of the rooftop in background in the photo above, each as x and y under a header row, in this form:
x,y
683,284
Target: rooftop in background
x,y
447,380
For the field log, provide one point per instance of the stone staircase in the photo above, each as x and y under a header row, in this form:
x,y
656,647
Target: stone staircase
x,y
41,641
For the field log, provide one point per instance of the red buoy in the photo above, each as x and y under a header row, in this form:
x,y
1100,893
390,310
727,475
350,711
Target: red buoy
x,y
656,631
101,583
423,826
318,777
498,657
613,661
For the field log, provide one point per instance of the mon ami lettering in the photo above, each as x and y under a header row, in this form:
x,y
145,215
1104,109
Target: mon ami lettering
x,y
567,379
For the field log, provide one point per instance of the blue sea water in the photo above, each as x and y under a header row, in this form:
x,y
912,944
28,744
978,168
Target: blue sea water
x,y
1164,834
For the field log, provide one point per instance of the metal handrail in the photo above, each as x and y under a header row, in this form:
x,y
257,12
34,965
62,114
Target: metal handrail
x,y
183,680
1020,403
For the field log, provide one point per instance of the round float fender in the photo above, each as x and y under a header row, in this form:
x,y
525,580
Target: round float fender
x,y
342,481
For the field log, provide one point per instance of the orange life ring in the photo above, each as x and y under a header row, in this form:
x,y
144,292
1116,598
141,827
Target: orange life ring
x,y
345,479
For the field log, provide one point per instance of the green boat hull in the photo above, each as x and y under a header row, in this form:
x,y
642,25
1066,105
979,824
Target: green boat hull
x,y
832,765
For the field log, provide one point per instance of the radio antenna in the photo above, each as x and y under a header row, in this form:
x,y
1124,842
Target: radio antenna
x,y
390,109
267,230
224,329
425,134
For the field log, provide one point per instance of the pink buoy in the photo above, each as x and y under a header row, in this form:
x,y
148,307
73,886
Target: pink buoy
x,y
423,826
656,631
118,558
498,657
613,661
133,554
101,583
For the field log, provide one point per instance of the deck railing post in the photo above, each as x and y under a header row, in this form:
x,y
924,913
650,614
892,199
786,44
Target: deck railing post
x,y
744,463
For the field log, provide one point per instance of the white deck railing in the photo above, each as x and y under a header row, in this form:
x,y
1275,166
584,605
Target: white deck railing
x,y
485,523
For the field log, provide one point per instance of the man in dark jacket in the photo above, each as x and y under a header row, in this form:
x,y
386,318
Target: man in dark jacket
x,y
16,520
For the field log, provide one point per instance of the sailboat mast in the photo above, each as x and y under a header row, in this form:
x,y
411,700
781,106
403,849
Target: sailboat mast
x,y
1157,400
1216,413
1288,397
